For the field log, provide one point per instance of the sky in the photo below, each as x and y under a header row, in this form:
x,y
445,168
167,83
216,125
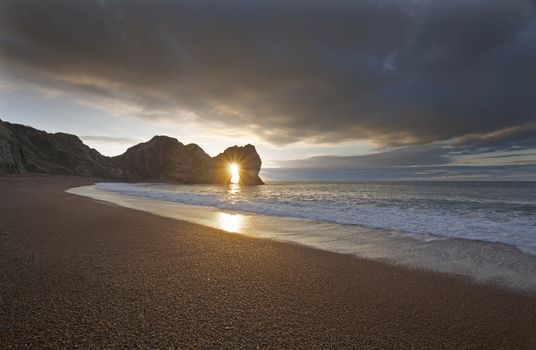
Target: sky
x,y
325,90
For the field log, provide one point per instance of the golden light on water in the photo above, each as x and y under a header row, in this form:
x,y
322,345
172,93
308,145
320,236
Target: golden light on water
x,y
234,169
234,189
230,222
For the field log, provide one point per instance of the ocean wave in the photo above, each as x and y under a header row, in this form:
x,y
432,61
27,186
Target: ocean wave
x,y
438,217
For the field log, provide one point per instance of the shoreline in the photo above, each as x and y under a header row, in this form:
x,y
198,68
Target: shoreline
x,y
484,262
75,271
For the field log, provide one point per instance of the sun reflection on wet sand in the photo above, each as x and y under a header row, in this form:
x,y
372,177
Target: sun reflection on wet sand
x,y
230,222
482,262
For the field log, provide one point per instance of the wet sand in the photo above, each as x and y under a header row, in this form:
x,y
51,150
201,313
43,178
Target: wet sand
x,y
77,272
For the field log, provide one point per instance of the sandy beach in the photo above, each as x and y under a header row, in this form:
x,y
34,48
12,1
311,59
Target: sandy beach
x,y
75,272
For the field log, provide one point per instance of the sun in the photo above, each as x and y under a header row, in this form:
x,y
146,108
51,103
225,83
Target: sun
x,y
234,169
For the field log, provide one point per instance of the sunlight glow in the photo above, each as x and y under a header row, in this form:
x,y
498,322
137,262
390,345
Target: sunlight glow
x,y
234,189
230,222
234,169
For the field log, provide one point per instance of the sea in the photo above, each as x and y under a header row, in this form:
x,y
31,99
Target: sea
x,y
484,230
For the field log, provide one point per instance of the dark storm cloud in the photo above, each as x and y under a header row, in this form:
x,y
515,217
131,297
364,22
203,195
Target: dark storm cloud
x,y
517,144
397,72
408,156
525,172
511,155
509,139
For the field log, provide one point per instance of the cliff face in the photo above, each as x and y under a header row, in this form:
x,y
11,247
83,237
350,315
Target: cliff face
x,y
248,160
26,150
166,158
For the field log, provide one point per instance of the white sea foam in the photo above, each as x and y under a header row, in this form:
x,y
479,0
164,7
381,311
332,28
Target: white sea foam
x,y
510,221
482,261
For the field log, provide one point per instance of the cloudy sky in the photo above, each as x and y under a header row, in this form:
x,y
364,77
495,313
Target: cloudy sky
x,y
379,89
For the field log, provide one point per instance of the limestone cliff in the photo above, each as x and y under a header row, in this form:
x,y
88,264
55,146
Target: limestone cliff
x,y
165,158
248,160
26,150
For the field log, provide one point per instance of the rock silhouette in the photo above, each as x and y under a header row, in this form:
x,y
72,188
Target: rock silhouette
x,y
24,149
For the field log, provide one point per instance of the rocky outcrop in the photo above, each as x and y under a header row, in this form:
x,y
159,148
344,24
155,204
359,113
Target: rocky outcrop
x,y
26,150
248,160
165,158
